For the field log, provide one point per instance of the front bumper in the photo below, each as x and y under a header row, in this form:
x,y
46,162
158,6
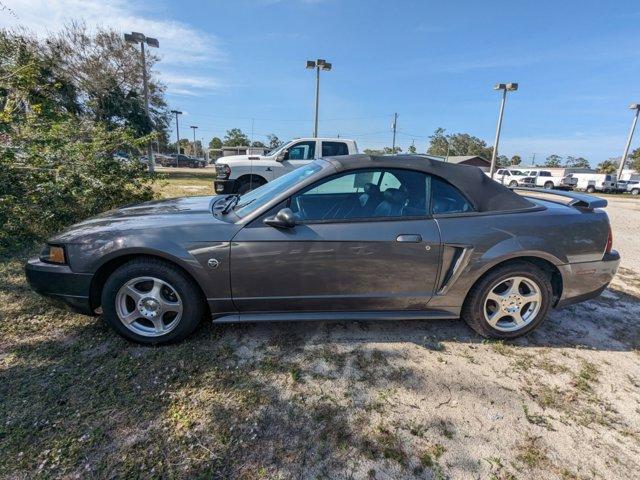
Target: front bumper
x,y
586,280
224,186
59,282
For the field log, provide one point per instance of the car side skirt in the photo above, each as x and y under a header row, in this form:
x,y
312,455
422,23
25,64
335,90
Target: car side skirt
x,y
444,314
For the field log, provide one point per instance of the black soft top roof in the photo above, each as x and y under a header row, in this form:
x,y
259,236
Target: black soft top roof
x,y
485,194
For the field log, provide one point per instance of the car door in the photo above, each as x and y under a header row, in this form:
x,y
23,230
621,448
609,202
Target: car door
x,y
343,253
298,154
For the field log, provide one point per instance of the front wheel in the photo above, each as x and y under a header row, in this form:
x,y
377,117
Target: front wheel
x,y
635,191
150,301
509,301
513,184
590,189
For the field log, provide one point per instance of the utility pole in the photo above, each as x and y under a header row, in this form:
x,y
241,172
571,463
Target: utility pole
x,y
176,113
504,87
394,126
195,150
326,66
623,160
137,37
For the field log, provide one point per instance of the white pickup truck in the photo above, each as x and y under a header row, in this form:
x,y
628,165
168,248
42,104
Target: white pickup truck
x,y
241,173
546,179
509,176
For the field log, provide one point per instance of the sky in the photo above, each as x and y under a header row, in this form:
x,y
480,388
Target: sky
x,y
241,63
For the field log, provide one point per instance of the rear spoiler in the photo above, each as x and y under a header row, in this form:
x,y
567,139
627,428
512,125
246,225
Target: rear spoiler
x,y
581,200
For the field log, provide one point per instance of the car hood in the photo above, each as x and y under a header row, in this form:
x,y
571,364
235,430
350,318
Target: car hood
x,y
145,218
231,159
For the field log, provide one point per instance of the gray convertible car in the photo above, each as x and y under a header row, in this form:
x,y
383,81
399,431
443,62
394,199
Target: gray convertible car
x,y
345,238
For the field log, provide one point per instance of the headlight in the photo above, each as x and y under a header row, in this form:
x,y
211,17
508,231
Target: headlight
x,y
53,254
223,171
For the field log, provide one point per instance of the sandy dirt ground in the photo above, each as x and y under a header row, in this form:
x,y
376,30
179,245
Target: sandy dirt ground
x,y
383,400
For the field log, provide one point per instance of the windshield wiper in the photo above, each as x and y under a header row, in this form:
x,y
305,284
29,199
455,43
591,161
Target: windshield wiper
x,y
233,201
222,203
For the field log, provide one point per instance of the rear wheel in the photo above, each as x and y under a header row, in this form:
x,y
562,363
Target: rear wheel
x,y
548,185
591,189
509,301
150,301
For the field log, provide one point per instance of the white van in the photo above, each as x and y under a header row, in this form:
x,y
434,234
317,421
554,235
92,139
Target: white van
x,y
595,182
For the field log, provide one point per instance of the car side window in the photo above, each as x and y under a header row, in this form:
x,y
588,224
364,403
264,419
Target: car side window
x,y
445,198
334,149
364,194
545,174
302,151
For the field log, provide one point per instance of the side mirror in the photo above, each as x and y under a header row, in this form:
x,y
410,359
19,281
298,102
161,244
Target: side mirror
x,y
283,219
282,155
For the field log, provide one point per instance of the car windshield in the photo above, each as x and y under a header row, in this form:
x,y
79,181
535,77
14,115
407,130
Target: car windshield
x,y
254,199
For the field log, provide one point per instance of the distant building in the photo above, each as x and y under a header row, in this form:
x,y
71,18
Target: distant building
x,y
243,150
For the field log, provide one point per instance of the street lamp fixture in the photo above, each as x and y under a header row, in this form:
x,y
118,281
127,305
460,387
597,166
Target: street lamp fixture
x,y
319,64
623,160
505,87
141,38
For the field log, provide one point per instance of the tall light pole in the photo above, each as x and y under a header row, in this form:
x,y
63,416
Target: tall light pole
x,y
141,38
623,160
195,150
176,113
319,64
505,87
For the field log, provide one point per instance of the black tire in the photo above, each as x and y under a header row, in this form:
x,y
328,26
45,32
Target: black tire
x,y
591,189
635,191
548,185
513,184
246,186
474,305
192,301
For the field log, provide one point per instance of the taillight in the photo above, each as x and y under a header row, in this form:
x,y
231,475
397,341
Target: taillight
x,y
609,241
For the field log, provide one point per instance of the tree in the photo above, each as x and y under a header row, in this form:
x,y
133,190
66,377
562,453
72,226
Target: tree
x,y
215,143
577,162
553,161
516,160
235,138
383,151
274,141
258,144
608,166
457,144
502,161
634,160
104,71
57,161
412,149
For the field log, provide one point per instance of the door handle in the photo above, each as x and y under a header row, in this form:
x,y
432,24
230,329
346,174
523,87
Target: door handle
x,y
269,169
409,238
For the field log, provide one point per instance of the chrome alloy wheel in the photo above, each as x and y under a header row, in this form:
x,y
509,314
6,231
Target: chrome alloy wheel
x,y
512,304
148,306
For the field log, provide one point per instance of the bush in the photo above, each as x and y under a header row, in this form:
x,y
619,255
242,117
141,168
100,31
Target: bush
x,y
59,173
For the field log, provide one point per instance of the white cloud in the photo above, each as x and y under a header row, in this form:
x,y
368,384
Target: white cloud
x,y
180,44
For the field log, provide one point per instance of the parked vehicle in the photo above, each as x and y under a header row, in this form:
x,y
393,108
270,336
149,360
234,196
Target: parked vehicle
x,y
175,160
242,173
595,182
546,179
629,186
343,238
509,176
